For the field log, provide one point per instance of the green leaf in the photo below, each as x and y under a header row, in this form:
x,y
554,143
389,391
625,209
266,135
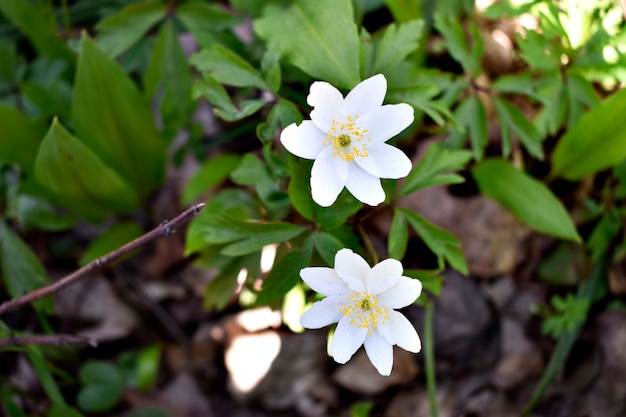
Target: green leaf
x,y
457,42
431,279
327,245
209,24
169,73
227,68
244,237
148,362
283,113
78,177
470,114
320,38
552,93
21,269
432,169
299,188
512,118
119,234
48,100
114,120
44,375
224,108
582,97
398,236
404,10
19,138
119,31
443,243
397,42
596,142
538,50
255,172
220,290
528,199
270,65
34,213
103,386
285,274
38,25
212,172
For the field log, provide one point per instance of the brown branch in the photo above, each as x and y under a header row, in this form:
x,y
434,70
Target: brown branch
x,y
164,229
56,340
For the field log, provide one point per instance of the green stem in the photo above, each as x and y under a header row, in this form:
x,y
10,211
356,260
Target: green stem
x,y
429,358
369,247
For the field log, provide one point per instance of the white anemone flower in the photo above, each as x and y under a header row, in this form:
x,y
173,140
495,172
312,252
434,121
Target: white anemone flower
x,y
346,138
362,301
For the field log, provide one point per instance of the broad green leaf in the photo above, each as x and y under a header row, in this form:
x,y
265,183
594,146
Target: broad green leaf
x,y
443,243
66,411
48,100
21,270
270,66
596,142
78,177
466,54
431,279
434,167
285,274
512,118
397,42
244,237
521,83
327,245
119,31
169,74
553,94
148,362
119,234
209,24
19,138
228,68
103,386
318,37
283,113
38,25
398,236
470,114
14,64
236,201
114,119
404,10
255,172
220,290
582,97
214,171
246,108
299,189
528,199
538,50
35,213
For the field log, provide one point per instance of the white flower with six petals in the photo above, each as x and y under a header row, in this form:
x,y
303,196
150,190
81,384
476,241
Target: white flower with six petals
x,y
362,301
346,138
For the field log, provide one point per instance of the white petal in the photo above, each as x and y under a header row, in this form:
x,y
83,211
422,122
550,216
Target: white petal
x,y
402,294
352,268
364,186
385,161
323,313
324,281
326,101
328,177
383,276
304,140
399,331
367,95
346,340
385,122
380,353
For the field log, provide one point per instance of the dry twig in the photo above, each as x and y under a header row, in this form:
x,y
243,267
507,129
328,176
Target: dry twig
x,y
56,340
164,229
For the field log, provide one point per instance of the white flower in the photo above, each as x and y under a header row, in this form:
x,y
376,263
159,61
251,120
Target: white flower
x,y
346,138
362,301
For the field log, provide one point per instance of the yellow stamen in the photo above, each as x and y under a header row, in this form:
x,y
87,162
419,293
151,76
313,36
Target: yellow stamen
x,y
364,311
347,139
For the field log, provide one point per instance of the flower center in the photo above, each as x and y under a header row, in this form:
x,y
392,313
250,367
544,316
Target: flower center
x,y
347,139
364,311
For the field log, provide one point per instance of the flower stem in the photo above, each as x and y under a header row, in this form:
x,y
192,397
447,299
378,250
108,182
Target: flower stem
x,y
367,243
429,358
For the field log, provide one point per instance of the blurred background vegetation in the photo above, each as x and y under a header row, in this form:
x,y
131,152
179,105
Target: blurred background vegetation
x,y
116,115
